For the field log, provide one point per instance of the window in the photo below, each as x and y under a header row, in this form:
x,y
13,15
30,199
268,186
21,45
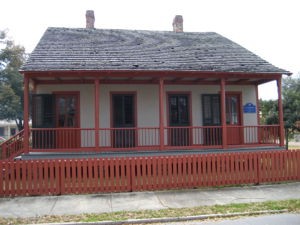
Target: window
x,y
1,131
179,110
211,110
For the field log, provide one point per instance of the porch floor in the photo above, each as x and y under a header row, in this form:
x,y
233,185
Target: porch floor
x,y
84,155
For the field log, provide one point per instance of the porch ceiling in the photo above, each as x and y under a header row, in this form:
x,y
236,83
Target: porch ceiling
x,y
174,77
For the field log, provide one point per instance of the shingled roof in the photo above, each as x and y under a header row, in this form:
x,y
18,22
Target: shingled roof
x,y
69,49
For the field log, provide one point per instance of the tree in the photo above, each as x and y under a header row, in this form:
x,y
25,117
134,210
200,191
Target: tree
x,y
269,111
291,102
12,58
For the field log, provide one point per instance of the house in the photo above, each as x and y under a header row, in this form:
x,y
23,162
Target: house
x,y
100,90
7,129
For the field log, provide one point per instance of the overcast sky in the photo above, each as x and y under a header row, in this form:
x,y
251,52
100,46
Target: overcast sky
x,y
269,28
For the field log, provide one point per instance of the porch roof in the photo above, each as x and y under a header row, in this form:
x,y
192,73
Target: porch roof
x,y
77,49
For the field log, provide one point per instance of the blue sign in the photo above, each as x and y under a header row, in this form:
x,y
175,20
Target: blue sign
x,y
249,108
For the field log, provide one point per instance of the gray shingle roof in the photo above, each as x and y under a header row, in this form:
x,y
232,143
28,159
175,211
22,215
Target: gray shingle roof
x,y
66,49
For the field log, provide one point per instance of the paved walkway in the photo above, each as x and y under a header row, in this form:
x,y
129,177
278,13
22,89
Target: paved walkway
x,y
100,203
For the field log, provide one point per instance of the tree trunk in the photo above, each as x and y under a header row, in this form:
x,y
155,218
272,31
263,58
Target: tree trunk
x,y
19,123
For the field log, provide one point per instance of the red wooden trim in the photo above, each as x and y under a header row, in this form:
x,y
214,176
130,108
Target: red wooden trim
x,y
26,114
161,114
96,104
125,81
281,123
223,113
156,73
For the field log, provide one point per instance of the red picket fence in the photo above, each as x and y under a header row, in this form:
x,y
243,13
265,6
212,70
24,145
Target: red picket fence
x,y
123,174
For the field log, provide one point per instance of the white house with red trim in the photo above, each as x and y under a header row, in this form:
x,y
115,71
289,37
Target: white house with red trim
x,y
100,90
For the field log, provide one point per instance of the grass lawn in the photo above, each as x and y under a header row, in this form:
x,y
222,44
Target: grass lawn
x,y
293,147
290,205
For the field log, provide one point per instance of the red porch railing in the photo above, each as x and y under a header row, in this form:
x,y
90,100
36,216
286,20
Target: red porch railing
x,y
12,147
148,138
244,135
129,138
193,137
73,176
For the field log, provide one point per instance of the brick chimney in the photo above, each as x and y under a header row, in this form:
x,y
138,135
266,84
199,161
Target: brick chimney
x,y
90,19
178,23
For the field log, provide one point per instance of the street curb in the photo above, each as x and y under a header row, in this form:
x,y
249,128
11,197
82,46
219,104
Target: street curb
x,y
170,219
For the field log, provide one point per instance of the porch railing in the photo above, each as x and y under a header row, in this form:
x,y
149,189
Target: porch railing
x,y
268,134
148,138
12,147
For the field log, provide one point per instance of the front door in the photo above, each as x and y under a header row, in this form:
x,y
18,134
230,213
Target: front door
x,y
123,107
179,120
211,106
67,117
233,119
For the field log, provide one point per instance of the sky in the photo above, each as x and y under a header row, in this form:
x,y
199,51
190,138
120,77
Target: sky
x,y
269,28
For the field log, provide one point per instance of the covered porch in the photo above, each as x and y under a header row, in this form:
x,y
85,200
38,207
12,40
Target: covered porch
x,y
217,130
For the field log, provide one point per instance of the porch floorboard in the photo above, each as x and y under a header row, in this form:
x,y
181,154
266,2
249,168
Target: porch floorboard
x,y
83,155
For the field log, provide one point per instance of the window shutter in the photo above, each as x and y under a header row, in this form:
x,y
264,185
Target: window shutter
x,y
43,111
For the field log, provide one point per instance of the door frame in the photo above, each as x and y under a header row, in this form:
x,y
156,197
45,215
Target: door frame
x,y
237,93
77,94
134,93
189,96
240,118
77,133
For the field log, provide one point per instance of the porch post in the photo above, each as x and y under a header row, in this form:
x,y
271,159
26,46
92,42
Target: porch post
x,y
280,113
161,114
223,113
257,105
257,115
96,93
26,113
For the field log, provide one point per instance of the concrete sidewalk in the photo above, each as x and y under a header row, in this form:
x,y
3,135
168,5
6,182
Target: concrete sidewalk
x,y
100,203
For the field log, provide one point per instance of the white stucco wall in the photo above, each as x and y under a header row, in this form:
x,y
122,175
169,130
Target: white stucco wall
x,y
147,101
147,98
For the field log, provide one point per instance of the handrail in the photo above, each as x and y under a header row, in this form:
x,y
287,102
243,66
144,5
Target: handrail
x,y
12,147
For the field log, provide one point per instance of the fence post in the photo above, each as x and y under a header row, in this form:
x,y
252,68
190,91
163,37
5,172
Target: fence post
x,y
57,164
130,171
258,159
298,163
